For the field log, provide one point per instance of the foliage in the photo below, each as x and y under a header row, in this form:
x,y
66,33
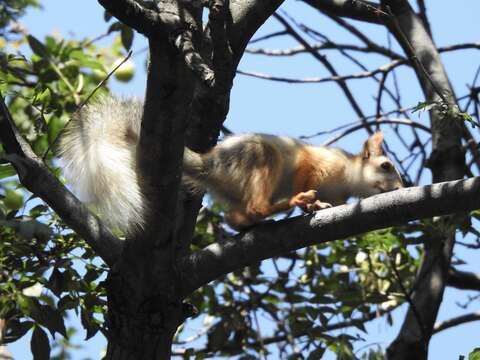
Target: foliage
x,y
46,270
297,302
474,355
448,112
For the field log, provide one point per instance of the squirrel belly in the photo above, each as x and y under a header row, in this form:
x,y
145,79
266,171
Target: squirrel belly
x,y
252,176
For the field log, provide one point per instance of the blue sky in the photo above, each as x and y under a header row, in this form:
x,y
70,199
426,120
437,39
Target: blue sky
x,y
296,110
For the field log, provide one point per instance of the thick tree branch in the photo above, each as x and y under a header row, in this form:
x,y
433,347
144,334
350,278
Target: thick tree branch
x,y
358,10
463,280
272,239
247,16
233,28
228,32
167,22
145,21
446,162
36,177
184,43
142,287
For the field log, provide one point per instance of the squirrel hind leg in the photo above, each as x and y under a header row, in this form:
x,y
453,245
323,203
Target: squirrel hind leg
x,y
238,220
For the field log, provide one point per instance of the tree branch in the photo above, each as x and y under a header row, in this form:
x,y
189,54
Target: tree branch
x,y
463,280
145,21
447,162
316,330
247,16
447,324
36,177
327,45
358,10
233,27
384,69
272,239
325,62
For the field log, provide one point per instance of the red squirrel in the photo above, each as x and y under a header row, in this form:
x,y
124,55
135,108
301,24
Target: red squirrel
x,y
252,176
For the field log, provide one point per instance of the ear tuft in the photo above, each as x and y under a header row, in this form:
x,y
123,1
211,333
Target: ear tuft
x,y
373,146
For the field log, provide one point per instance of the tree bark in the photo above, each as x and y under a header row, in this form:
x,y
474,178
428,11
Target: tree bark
x,y
188,87
144,307
271,238
446,163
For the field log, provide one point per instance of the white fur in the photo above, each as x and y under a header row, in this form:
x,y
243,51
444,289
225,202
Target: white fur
x,y
99,162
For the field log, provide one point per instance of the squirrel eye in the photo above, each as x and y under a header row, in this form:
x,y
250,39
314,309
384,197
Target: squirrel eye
x,y
386,166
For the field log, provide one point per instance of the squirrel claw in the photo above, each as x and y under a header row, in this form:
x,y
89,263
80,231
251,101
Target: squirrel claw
x,y
317,205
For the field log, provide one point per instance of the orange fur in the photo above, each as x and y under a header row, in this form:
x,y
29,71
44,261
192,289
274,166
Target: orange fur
x,y
257,175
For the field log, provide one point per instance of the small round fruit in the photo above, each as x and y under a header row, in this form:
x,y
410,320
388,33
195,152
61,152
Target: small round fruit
x,y
98,75
13,199
125,72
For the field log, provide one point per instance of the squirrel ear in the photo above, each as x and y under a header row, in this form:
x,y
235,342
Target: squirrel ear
x,y
373,146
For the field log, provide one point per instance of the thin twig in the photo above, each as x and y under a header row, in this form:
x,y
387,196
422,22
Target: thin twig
x,y
84,102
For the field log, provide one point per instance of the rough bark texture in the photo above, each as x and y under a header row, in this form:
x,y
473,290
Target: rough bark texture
x,y
188,88
144,307
272,238
446,163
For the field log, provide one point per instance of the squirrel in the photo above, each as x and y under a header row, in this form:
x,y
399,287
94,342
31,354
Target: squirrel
x,y
252,176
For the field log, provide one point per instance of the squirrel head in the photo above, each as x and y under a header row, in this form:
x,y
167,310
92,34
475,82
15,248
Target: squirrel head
x,y
375,172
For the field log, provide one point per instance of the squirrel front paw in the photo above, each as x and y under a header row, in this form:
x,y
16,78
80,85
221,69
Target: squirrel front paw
x,y
304,199
317,205
308,201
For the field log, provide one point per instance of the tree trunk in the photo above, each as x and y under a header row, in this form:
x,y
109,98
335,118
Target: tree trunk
x,y
142,331
446,163
144,308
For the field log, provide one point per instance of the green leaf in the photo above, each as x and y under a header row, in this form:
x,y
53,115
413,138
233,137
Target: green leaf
x,y
316,354
38,210
127,37
57,282
16,329
424,106
37,47
116,26
88,323
7,170
48,317
106,16
468,118
34,229
474,355
67,302
39,344
218,336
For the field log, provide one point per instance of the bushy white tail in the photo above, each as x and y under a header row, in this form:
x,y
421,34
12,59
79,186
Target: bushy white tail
x,y
98,153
